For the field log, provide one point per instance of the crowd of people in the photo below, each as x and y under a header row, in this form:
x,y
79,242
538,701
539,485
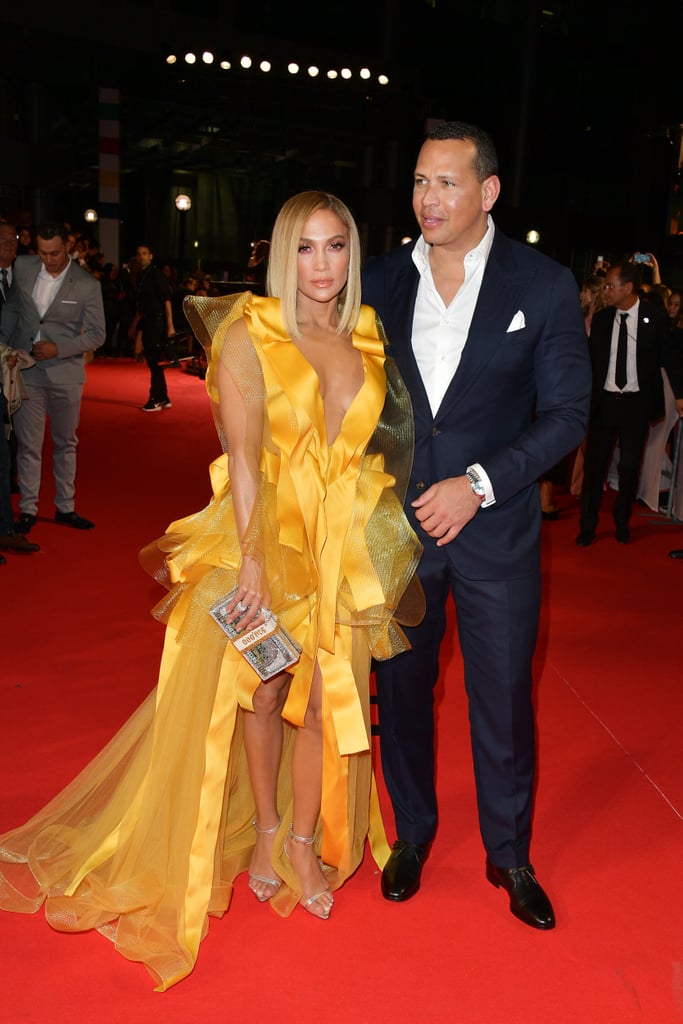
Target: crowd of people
x,y
383,435
633,429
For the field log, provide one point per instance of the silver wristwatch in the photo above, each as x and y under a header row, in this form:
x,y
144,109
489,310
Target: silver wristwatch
x,y
476,483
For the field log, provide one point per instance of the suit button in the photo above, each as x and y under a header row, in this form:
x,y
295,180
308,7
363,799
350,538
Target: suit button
x,y
435,431
420,486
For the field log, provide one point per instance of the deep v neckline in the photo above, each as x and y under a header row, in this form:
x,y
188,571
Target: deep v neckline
x,y
319,395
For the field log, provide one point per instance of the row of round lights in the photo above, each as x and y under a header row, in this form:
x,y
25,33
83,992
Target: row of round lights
x,y
246,62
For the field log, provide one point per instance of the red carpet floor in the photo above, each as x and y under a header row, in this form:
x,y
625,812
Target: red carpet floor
x,y
80,652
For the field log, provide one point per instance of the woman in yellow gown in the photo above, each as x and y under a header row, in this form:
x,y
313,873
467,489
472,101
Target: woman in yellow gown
x,y
218,772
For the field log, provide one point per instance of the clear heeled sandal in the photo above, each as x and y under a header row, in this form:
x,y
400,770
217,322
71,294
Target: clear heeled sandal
x,y
256,881
313,904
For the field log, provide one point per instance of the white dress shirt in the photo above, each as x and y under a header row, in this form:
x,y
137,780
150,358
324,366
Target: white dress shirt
x,y
440,331
631,385
44,291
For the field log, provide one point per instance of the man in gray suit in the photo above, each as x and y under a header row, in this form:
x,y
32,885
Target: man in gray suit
x,y
53,311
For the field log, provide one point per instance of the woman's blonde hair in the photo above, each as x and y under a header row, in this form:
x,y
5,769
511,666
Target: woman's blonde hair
x,y
281,280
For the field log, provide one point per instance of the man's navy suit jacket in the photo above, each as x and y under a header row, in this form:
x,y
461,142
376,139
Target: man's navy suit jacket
x,y
517,403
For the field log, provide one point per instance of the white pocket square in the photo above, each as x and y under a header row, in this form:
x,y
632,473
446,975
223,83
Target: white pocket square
x,y
517,323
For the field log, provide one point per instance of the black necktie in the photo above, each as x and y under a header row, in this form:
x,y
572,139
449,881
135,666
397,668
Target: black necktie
x,y
622,348
3,281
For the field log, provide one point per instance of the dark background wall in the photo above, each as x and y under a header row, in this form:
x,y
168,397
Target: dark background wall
x,y
584,102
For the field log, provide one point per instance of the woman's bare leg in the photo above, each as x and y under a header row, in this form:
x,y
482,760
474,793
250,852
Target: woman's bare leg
x,y
307,765
263,747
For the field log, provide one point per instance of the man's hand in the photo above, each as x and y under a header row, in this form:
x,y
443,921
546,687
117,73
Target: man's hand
x,y
44,350
446,507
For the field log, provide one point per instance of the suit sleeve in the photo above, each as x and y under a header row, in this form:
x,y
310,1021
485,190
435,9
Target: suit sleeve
x,y
92,324
562,378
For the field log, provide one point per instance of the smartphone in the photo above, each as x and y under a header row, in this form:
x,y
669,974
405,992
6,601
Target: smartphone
x,y
600,259
641,257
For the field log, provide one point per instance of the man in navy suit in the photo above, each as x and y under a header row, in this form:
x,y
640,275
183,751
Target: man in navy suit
x,y
628,342
490,340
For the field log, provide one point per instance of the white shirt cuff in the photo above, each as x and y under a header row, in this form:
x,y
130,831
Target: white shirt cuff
x,y
490,498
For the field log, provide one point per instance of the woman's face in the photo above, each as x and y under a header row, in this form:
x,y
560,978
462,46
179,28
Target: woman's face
x,y
322,257
673,307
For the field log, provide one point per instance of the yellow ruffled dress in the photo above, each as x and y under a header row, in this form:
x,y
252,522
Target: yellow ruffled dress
x,y
146,842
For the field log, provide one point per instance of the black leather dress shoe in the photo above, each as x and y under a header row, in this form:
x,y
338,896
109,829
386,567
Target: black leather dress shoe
x,y
585,539
622,533
24,523
17,542
528,902
3,560
401,874
74,520
676,553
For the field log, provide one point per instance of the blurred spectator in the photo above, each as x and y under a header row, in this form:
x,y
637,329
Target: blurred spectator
x,y
154,318
592,297
673,308
25,244
625,347
111,300
257,265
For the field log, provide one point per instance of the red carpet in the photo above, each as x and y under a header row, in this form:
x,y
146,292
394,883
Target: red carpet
x,y
80,652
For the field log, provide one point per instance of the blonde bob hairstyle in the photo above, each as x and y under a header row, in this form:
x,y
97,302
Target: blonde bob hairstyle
x,y
281,280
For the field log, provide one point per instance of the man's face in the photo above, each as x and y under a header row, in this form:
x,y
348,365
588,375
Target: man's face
x,y
8,245
53,254
451,206
144,256
617,294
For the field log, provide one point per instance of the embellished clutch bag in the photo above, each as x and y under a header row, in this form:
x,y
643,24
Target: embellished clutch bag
x,y
268,648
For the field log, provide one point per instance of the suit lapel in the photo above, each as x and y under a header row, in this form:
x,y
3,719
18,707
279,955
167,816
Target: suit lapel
x,y
64,290
501,295
404,293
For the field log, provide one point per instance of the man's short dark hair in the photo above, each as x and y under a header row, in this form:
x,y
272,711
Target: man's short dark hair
x,y
628,273
51,229
485,161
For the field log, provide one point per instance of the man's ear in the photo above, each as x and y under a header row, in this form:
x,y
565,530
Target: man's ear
x,y
490,190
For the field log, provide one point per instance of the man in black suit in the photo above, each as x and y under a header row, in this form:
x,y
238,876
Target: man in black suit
x,y
627,343
490,340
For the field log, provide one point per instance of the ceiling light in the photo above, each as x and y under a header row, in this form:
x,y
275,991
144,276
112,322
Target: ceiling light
x,y
383,80
313,71
190,58
293,68
245,61
207,57
365,73
346,73
331,73
265,66
171,58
